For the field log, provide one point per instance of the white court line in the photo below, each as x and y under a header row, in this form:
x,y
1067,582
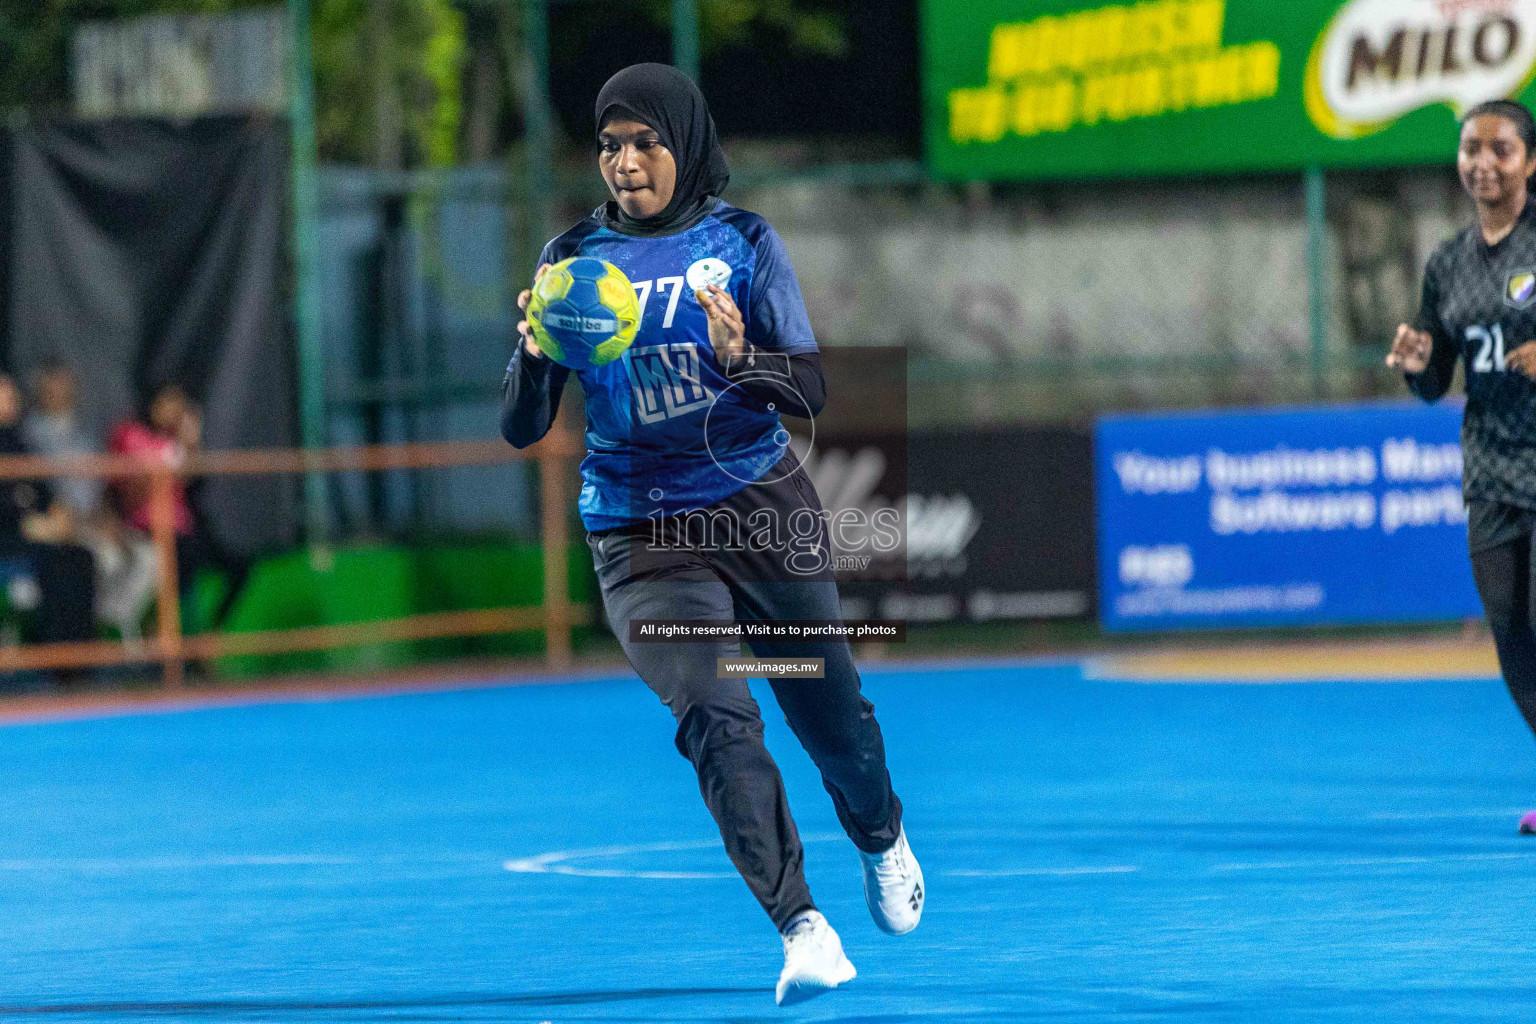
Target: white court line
x,y
1112,869
1352,862
554,863
1470,812
168,863
558,862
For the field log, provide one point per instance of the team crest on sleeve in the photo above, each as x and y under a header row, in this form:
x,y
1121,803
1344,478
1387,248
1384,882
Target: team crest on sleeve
x,y
667,381
1520,288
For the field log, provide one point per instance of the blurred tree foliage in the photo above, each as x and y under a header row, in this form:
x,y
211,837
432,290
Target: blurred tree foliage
x,y
388,81
387,72
403,83
725,23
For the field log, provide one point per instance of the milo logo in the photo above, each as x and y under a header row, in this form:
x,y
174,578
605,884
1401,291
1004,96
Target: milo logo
x,y
1381,59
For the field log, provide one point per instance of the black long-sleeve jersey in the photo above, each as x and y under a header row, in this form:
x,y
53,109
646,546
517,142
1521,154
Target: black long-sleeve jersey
x,y
1480,304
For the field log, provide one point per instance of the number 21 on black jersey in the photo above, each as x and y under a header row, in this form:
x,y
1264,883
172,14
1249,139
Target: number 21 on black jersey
x,y
1489,357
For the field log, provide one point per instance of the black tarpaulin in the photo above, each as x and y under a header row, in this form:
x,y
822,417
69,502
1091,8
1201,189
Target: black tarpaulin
x,y
149,251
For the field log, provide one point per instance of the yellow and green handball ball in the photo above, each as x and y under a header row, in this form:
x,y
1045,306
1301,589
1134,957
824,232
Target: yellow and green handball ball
x,y
584,312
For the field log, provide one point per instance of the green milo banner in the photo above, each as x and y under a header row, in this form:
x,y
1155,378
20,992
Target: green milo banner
x,y
1068,88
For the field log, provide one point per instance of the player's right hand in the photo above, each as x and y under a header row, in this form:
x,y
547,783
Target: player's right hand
x,y
1522,359
1410,350
522,303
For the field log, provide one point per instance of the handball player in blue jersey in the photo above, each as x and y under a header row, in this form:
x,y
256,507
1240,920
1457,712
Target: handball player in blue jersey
x,y
696,508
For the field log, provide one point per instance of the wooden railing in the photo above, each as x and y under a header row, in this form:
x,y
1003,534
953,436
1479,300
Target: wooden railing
x,y
172,649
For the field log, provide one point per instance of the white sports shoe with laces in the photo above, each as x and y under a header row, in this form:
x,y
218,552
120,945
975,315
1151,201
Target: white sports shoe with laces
x,y
893,887
813,960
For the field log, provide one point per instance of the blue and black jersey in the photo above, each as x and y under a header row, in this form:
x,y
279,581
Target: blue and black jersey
x,y
668,428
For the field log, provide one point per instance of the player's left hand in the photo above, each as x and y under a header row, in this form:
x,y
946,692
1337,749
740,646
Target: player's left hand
x,y
523,298
727,329
1522,359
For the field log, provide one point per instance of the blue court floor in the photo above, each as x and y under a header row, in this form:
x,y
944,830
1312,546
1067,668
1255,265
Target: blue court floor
x,y
1094,851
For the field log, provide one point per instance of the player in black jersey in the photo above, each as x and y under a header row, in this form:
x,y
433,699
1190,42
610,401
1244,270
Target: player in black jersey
x,y
1480,304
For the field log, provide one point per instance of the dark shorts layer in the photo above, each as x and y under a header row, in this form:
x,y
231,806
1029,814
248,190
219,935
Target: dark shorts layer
x,y
1492,524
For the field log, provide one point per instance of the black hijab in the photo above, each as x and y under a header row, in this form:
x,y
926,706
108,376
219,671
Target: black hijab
x,y
667,100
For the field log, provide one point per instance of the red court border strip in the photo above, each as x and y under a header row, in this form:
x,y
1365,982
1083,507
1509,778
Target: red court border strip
x,y
45,708
1363,660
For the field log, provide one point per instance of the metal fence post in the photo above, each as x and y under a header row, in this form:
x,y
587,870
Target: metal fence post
x,y
685,37
557,612
1317,270
306,253
539,181
168,595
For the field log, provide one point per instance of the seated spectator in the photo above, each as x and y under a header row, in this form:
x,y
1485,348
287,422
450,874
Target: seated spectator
x,y
35,527
29,509
125,561
169,429
52,429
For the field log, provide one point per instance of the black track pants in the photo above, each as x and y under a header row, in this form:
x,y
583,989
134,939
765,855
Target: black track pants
x,y
1500,540
719,725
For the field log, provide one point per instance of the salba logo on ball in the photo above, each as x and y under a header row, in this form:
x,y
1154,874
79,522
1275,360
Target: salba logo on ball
x,y
1381,59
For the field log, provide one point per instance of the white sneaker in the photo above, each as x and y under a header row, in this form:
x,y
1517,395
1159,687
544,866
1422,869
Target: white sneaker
x,y
893,887
813,960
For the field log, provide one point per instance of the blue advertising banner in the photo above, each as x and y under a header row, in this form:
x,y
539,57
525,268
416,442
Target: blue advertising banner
x,y
1346,514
